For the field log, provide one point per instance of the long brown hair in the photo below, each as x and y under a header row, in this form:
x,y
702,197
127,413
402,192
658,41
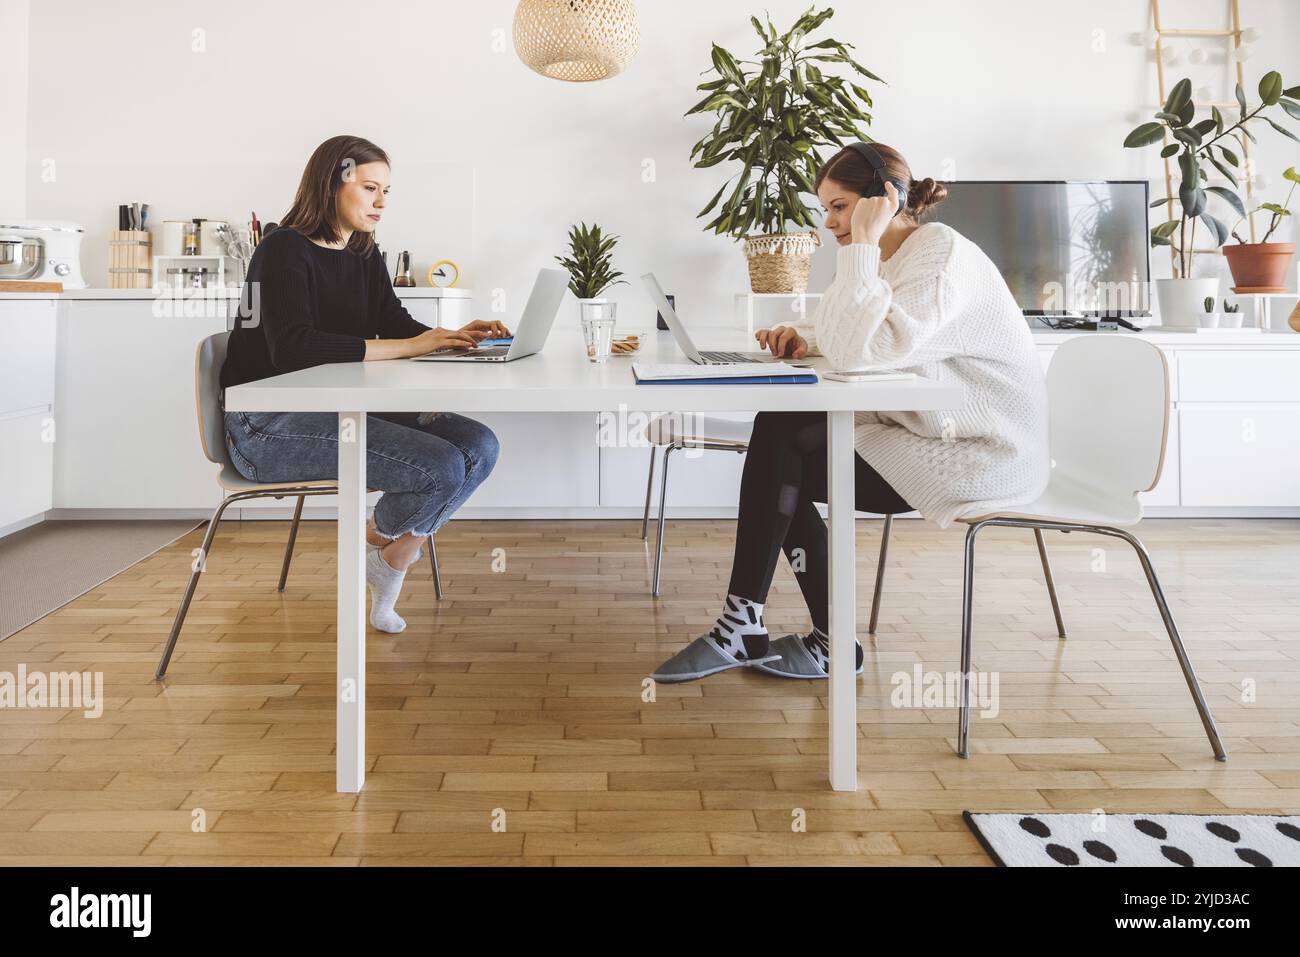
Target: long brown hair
x,y
851,170
314,212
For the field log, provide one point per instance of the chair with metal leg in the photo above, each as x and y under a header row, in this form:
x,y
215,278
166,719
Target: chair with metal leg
x,y
1108,409
210,356
674,431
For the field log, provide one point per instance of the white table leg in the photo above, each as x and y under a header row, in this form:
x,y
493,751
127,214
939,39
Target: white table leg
x,y
350,733
843,624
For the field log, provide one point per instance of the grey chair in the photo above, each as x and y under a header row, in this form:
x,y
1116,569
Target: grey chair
x,y
208,359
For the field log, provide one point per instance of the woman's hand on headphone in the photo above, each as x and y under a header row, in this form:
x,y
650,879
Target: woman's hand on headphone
x,y
783,342
872,214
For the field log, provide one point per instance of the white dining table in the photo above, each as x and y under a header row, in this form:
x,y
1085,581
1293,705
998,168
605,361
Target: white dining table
x,y
561,379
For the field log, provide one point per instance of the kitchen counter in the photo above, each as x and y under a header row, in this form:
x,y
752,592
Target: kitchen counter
x,y
229,292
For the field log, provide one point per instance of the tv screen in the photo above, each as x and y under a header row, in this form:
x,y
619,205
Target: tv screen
x,y
1063,248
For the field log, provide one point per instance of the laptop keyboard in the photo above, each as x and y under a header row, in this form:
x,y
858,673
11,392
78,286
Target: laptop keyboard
x,y
731,357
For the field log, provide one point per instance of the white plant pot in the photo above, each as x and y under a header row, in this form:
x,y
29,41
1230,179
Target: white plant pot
x,y
1230,320
1182,301
1210,320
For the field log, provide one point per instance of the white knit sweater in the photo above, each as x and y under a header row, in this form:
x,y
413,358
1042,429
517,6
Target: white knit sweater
x,y
940,308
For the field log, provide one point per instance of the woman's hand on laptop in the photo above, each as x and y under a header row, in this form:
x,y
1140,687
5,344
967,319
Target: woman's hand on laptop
x,y
486,329
783,342
437,339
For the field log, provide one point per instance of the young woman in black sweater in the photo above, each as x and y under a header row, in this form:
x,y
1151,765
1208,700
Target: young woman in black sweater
x,y
317,292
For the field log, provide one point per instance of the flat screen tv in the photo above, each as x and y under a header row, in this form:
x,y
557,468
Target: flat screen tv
x,y
1064,248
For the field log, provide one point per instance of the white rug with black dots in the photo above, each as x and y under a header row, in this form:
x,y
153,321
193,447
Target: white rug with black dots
x,y
1138,840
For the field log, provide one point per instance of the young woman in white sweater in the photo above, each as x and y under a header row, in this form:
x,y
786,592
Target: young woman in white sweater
x,y
906,296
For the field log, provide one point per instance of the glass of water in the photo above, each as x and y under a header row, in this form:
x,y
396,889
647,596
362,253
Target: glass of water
x,y
598,328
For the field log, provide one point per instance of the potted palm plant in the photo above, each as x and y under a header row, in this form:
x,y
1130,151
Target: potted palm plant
x,y
590,264
1262,266
1195,144
774,114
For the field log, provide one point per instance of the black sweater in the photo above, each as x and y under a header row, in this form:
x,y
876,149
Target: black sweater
x,y
312,305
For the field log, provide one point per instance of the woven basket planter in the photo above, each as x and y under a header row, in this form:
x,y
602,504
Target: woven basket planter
x,y
576,40
780,262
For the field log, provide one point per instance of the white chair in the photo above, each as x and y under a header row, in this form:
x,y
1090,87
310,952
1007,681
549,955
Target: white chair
x,y
672,431
1108,409
208,359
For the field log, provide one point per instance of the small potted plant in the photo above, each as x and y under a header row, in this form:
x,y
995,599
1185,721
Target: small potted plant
x,y
1195,143
1231,318
1262,266
774,113
1211,318
590,264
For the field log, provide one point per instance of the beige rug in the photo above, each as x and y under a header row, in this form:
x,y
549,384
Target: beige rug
x,y
46,566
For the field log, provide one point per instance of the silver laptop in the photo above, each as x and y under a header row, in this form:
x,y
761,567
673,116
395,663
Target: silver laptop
x,y
530,335
700,358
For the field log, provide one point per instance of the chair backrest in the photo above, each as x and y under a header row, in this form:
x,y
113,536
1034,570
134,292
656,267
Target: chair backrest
x,y
208,360
1108,399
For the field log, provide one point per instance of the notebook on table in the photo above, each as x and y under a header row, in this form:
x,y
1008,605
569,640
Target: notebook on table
x,y
736,373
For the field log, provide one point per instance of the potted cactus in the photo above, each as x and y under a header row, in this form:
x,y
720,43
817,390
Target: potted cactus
x,y
1262,266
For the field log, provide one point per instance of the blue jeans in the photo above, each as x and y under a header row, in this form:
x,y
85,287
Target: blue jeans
x,y
426,472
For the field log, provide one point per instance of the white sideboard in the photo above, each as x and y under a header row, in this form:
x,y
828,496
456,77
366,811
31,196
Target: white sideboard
x,y
116,379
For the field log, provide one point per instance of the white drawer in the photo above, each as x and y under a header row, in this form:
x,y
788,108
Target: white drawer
x,y
27,336
1245,376
26,467
1239,456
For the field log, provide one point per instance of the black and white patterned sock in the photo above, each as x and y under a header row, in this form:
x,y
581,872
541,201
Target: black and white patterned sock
x,y
739,630
818,644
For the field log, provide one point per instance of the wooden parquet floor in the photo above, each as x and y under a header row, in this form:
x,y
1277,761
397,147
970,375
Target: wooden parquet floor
x,y
507,725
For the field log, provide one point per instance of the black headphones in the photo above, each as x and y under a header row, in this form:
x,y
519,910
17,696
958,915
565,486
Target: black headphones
x,y
877,186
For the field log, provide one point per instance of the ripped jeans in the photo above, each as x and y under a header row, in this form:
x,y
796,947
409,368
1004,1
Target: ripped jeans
x,y
426,472
785,474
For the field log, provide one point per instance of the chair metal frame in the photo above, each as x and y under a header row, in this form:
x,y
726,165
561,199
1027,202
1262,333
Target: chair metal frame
x,y
207,356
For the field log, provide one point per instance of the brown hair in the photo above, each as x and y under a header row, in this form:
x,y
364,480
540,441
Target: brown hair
x,y
314,212
851,170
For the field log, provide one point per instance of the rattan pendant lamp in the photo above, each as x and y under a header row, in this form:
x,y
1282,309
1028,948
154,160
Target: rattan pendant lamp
x,y
576,40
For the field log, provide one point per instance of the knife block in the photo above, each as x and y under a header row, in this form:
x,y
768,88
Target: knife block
x,y
130,259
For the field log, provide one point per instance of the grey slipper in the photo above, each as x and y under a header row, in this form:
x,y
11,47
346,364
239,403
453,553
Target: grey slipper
x,y
701,658
795,660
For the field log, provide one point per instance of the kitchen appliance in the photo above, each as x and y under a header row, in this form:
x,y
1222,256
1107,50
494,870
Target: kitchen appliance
x,y
46,250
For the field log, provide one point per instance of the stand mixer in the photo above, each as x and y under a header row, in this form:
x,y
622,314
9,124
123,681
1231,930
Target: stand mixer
x,y
41,251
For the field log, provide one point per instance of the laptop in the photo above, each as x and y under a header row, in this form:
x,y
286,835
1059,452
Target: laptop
x,y
699,357
530,335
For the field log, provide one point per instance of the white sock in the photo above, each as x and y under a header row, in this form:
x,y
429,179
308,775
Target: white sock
x,y
385,585
739,630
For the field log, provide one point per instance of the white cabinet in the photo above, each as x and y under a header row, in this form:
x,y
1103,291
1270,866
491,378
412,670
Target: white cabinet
x,y
26,467
127,428
27,392
1240,455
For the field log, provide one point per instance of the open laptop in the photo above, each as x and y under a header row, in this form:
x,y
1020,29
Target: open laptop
x,y
700,358
530,335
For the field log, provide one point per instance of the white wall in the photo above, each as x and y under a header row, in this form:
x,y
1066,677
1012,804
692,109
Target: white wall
x,y
14,15
493,162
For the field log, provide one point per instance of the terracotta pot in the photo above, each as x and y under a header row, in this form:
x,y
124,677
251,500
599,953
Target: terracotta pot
x,y
1259,265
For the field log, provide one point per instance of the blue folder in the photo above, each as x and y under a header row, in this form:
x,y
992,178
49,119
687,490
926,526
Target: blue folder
x,y
802,379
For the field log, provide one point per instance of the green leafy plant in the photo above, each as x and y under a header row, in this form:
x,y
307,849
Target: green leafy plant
x,y
773,114
1279,212
1195,143
1231,307
590,262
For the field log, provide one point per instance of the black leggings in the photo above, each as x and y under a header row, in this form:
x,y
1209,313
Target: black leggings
x,y
785,473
